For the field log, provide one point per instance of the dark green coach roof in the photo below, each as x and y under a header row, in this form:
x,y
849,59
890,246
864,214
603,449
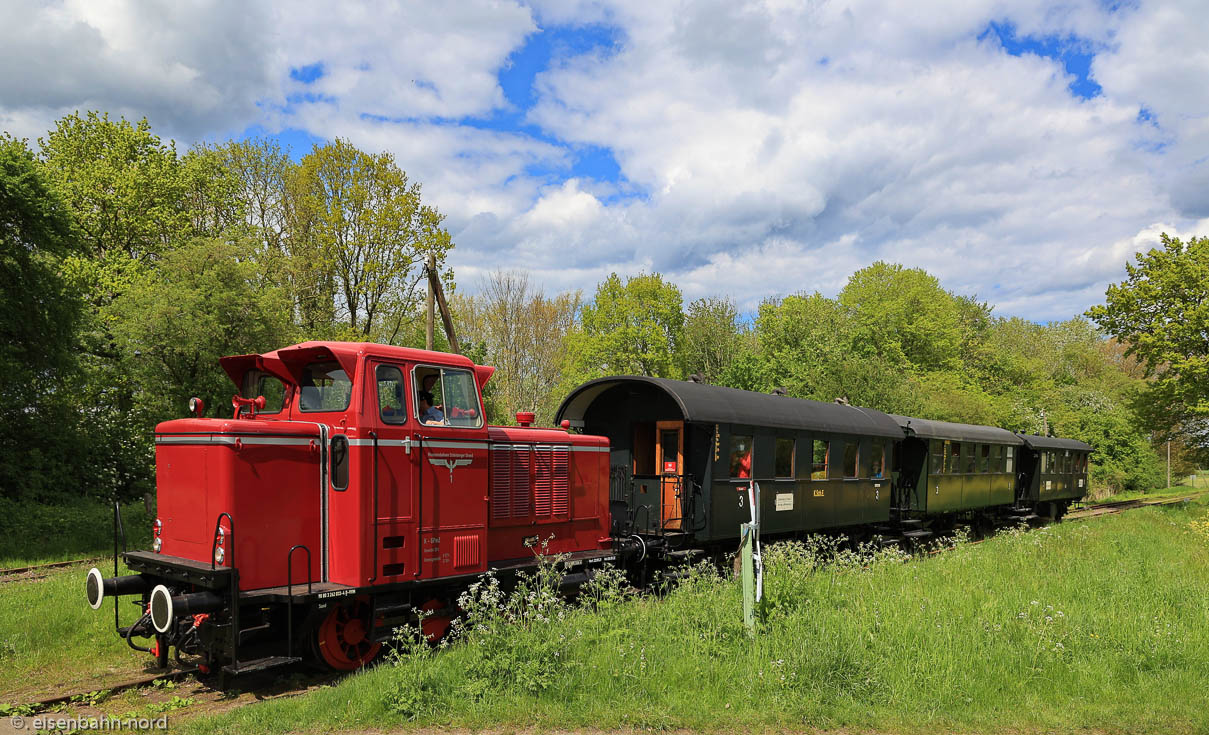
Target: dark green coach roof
x,y
928,429
1033,441
715,404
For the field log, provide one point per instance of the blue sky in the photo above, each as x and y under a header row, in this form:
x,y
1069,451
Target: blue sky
x,y
752,149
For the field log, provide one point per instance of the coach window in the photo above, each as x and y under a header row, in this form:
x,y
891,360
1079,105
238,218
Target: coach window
x,y
985,466
1007,462
877,464
971,455
850,459
740,456
938,457
325,387
821,453
390,395
1044,455
953,459
785,450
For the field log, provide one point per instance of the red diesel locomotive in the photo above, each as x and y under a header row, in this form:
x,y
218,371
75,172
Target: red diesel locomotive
x,y
355,486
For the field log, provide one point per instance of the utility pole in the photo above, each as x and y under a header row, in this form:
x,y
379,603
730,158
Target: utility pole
x,y
432,316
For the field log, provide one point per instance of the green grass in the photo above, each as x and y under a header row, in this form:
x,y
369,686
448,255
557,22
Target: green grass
x,y
1162,492
50,639
1096,624
52,642
33,533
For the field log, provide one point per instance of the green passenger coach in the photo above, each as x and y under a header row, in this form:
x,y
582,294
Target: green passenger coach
x,y
949,468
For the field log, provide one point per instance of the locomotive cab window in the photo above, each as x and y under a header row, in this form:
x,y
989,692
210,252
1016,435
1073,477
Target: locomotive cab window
x,y
821,453
851,459
446,397
784,452
259,383
740,456
391,406
325,387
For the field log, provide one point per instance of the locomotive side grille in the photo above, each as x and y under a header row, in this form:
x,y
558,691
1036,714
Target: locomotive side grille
x,y
501,484
542,484
521,462
465,551
519,471
561,485
551,489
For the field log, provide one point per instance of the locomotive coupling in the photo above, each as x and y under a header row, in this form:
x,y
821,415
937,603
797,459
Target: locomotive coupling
x,y
98,588
166,608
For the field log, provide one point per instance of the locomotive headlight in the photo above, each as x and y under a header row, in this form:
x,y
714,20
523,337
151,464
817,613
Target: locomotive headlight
x,y
219,555
156,544
157,526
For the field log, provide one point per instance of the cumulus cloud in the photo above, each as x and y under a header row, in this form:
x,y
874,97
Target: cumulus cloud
x,y
762,147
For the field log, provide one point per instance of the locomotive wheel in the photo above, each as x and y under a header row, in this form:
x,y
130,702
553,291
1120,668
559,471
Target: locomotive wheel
x,y
342,639
435,626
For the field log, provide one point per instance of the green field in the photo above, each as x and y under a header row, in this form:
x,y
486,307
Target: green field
x,y
32,533
1098,624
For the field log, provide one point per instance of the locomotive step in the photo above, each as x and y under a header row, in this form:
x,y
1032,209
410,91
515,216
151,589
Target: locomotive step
x,y
921,533
260,664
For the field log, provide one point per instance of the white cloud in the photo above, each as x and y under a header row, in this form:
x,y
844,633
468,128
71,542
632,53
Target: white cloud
x,y
765,147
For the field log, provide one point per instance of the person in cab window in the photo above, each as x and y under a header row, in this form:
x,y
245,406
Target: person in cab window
x,y
428,414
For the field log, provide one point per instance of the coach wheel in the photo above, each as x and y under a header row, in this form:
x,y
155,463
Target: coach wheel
x,y
436,625
343,638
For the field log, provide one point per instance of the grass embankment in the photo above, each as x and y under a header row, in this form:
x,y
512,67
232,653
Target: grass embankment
x,y
50,639
33,533
1202,485
1084,625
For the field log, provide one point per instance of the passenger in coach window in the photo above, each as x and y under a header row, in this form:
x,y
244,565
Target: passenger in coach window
x,y
428,414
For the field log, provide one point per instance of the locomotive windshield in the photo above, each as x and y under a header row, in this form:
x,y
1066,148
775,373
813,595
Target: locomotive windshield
x,y
454,394
325,387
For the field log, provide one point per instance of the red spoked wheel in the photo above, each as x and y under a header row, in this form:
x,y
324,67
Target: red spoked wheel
x,y
343,638
435,626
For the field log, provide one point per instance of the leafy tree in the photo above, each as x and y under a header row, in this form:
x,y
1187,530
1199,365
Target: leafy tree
x,y
711,339
202,302
1161,311
37,330
630,328
903,315
519,329
358,239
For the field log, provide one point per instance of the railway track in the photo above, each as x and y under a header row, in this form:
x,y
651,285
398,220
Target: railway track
x,y
1104,509
35,571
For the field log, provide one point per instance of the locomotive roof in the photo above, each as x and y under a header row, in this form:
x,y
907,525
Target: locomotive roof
x,y
928,429
346,353
1032,441
717,404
